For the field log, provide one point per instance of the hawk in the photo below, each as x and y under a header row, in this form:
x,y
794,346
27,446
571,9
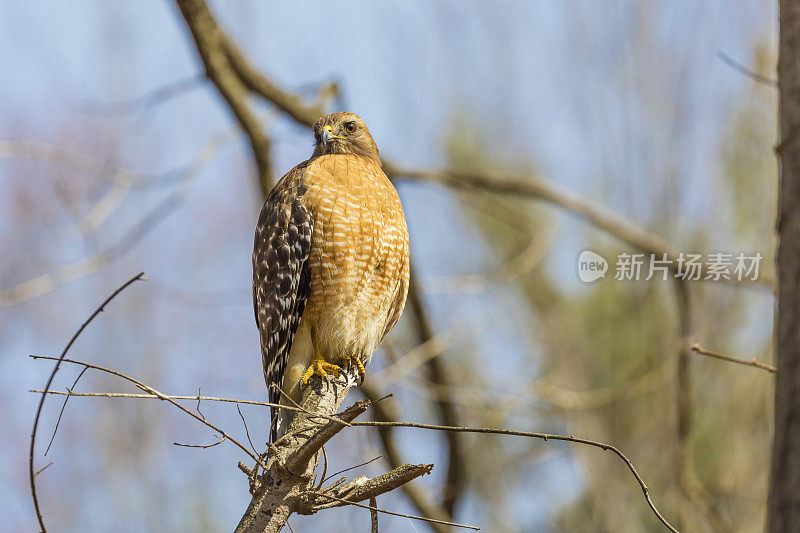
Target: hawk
x,y
330,263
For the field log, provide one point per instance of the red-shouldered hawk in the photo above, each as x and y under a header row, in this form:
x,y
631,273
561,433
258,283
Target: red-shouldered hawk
x,y
330,262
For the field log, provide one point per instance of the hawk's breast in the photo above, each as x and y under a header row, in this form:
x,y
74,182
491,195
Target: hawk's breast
x,y
359,256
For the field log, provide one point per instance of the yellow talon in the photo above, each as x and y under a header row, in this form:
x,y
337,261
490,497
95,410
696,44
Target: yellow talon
x,y
320,367
356,361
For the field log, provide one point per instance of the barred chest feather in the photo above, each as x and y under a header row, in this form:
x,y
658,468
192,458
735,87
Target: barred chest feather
x,y
358,262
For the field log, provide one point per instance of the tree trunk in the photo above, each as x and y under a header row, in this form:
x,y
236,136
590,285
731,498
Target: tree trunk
x,y
784,493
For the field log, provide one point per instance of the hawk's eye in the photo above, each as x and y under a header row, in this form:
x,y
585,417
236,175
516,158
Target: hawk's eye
x,y
350,127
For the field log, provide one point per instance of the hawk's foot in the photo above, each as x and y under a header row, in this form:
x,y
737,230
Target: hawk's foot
x,y
320,367
355,361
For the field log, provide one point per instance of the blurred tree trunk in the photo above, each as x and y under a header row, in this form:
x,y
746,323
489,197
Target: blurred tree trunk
x,y
784,494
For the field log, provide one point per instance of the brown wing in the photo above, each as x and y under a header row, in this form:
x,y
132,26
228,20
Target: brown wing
x,y
281,276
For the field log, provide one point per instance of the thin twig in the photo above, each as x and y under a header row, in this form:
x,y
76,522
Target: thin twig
x,y
197,407
342,471
146,396
455,476
754,362
424,503
203,446
148,100
247,431
384,397
154,397
755,76
89,265
324,468
535,435
31,472
154,393
373,514
376,509
61,413
544,436
42,469
87,165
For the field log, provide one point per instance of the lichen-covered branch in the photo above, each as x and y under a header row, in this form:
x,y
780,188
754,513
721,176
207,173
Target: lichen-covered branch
x,y
287,485
363,488
277,492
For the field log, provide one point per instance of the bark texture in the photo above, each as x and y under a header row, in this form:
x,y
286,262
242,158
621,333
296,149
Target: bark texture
x,y
784,493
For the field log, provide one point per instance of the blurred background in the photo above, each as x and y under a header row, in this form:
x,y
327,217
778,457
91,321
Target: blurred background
x,y
116,156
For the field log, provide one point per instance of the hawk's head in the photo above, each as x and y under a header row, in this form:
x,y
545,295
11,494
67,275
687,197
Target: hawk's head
x,y
343,133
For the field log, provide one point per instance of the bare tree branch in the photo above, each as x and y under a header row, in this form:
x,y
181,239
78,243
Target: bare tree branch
x,y
151,392
293,105
147,101
42,469
244,423
373,515
342,471
208,39
422,501
159,397
299,432
202,446
596,398
536,435
422,518
498,182
455,477
89,265
684,458
691,489
63,406
755,76
285,487
85,164
363,488
411,361
724,357
533,187
31,470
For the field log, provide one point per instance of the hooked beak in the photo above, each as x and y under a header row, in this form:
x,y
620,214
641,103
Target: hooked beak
x,y
327,134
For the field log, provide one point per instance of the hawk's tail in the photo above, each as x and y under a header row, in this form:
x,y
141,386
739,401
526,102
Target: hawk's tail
x,y
274,398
